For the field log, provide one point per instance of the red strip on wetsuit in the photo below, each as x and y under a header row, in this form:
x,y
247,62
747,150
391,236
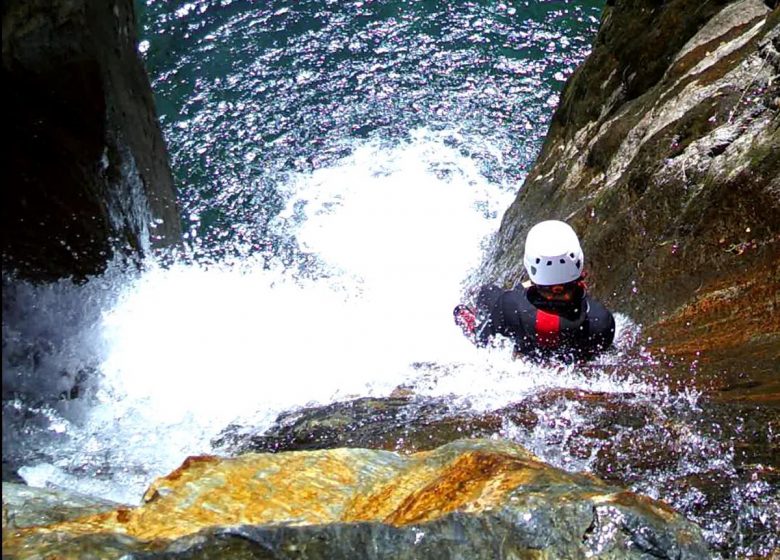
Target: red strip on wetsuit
x,y
548,329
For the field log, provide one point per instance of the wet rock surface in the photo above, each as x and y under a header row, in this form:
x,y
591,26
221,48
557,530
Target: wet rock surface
x,y
25,506
715,462
85,170
662,155
467,499
399,424
617,430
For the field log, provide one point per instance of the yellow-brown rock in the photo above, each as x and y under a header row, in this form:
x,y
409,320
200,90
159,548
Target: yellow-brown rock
x,y
355,488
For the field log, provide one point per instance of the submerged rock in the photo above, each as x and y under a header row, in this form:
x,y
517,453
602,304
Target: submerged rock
x,y
397,423
469,499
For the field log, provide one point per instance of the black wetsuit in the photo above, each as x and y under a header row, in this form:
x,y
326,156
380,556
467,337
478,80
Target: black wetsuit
x,y
573,330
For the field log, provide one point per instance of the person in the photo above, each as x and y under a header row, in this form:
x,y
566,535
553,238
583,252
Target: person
x,y
551,316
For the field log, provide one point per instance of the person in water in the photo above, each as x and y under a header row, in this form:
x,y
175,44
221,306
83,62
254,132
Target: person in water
x,y
552,316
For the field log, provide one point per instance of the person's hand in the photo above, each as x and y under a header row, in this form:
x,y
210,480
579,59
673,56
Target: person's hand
x,y
466,319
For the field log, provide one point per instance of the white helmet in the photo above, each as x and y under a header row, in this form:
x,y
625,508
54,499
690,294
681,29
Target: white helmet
x,y
553,254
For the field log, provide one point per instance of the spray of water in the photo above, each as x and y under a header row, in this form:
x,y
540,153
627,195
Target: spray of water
x,y
172,354
191,347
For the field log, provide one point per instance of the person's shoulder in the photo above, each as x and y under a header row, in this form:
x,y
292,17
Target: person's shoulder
x,y
488,296
517,299
518,291
597,309
489,291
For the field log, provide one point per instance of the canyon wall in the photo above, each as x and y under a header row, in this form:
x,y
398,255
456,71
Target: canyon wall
x,y
86,171
663,155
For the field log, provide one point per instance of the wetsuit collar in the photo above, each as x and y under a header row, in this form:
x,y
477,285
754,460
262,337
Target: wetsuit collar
x,y
554,305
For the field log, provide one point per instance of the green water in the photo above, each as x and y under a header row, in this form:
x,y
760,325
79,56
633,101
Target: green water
x,y
250,92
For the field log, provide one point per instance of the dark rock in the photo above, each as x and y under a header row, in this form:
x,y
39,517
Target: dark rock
x,y
85,165
399,424
10,473
605,532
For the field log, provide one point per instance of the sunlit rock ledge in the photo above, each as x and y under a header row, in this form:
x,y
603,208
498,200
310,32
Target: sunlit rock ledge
x,y
470,499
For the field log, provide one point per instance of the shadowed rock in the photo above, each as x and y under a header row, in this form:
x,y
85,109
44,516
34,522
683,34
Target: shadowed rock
x,y
85,168
468,499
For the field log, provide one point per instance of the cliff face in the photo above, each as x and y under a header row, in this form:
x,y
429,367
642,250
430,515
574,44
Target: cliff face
x,y
85,166
663,155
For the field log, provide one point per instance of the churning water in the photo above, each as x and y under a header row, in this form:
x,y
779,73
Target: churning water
x,y
341,166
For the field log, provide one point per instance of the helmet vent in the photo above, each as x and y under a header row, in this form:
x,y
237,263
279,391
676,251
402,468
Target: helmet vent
x,y
571,255
563,261
578,264
538,260
549,263
533,270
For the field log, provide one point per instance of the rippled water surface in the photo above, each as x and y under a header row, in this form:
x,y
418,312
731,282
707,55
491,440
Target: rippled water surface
x,y
340,167
249,94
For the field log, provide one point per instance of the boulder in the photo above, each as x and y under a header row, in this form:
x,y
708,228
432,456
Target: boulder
x,y
86,171
476,499
625,439
663,156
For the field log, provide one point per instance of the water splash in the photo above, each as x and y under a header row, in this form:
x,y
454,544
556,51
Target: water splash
x,y
193,346
337,182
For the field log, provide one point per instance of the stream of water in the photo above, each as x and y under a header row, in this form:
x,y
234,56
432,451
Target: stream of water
x,y
341,167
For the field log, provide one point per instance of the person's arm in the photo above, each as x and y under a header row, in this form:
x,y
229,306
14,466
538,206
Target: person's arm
x,y
488,318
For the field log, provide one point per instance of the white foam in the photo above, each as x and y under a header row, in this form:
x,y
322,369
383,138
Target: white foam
x,y
190,348
397,241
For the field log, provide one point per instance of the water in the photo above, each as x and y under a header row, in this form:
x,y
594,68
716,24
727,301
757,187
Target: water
x,y
341,167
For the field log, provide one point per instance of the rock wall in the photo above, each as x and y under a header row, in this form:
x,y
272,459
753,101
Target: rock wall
x,y
85,166
663,155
